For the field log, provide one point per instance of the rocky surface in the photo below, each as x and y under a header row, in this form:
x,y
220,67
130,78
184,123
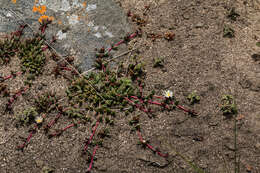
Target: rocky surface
x,y
80,26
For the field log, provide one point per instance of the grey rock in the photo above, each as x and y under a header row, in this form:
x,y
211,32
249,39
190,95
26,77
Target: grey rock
x,y
79,27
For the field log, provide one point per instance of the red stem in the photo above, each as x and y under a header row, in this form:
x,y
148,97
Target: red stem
x,y
19,32
141,90
47,46
133,35
53,121
178,106
12,99
64,129
159,97
43,28
137,105
10,76
27,140
66,68
134,97
187,110
91,137
122,41
150,147
69,126
151,102
92,158
155,103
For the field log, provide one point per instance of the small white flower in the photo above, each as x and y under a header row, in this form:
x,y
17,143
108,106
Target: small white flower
x,y
168,94
38,119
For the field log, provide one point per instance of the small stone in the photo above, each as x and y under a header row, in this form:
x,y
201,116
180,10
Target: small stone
x,y
39,163
47,169
186,16
245,83
199,25
257,145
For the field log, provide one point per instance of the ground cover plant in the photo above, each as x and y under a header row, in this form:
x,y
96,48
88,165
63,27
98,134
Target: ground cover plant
x,y
97,97
178,103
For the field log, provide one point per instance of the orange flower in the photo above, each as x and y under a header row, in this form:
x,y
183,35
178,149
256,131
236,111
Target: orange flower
x,y
41,9
44,19
84,4
35,9
14,1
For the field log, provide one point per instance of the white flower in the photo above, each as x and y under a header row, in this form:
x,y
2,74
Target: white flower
x,y
38,119
168,94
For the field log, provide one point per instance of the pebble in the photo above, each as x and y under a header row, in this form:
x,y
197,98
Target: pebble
x,y
199,25
186,16
39,163
257,145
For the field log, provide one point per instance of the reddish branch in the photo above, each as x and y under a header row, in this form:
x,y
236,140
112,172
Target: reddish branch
x,y
187,110
151,147
134,97
137,105
64,129
44,25
19,32
47,46
160,104
12,99
140,88
122,41
92,158
53,121
66,68
28,138
56,118
178,106
91,137
157,103
10,76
